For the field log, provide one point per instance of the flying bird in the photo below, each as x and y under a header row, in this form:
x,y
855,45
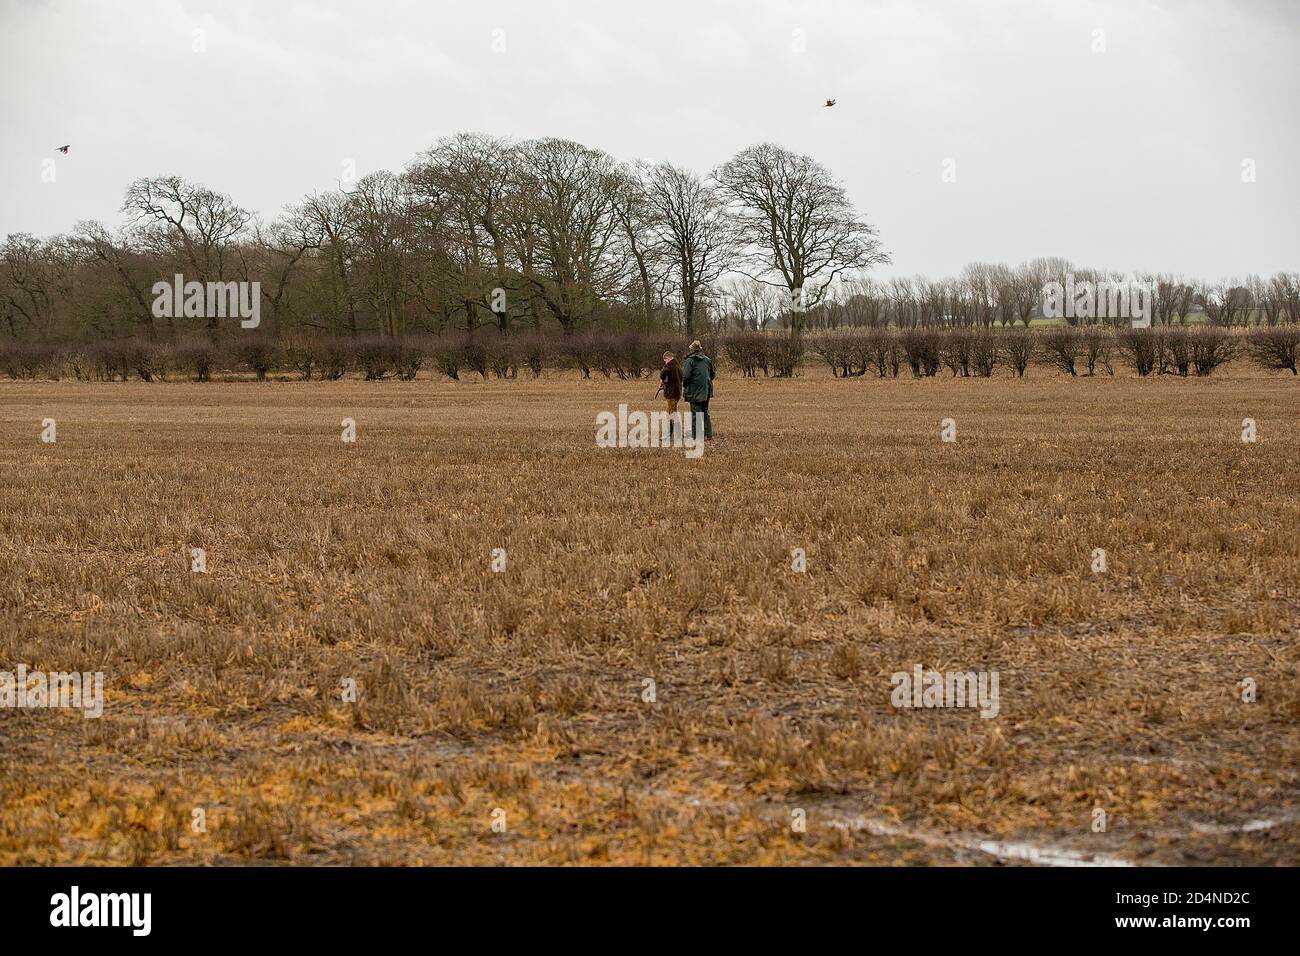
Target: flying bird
x,y
64,149
830,102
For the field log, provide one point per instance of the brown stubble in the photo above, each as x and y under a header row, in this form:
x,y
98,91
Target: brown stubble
x,y
523,690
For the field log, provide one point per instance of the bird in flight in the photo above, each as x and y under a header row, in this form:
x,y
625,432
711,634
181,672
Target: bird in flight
x,y
64,149
830,102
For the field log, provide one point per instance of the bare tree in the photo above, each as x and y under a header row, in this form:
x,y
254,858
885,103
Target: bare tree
x,y
796,223
932,300
903,301
1025,292
693,232
1285,288
636,219
1050,269
864,302
381,209
958,308
751,304
331,215
468,179
566,197
1001,280
1226,302
283,246
1171,299
981,287
197,225
1264,294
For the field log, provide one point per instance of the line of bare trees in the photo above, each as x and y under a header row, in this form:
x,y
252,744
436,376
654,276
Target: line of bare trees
x,y
996,295
477,232
546,236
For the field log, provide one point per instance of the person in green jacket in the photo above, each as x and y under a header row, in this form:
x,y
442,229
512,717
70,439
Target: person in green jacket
x,y
697,385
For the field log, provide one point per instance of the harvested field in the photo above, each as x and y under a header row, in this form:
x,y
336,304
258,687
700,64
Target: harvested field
x,y
519,698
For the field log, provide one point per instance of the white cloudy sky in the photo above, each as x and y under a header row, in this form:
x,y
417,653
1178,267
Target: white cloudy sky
x,y
1130,158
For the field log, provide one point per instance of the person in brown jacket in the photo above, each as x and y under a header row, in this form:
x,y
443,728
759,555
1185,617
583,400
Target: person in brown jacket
x,y
670,380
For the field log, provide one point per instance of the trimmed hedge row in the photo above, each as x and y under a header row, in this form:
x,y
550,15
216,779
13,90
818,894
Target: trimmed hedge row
x,y
974,352
373,358
885,353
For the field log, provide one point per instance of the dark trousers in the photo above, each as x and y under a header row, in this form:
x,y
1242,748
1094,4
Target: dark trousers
x,y
702,408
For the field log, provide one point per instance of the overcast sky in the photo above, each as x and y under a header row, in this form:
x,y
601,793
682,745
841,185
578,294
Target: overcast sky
x,y
1131,158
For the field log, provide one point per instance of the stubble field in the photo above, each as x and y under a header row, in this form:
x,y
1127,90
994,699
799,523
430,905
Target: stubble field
x,y
506,717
